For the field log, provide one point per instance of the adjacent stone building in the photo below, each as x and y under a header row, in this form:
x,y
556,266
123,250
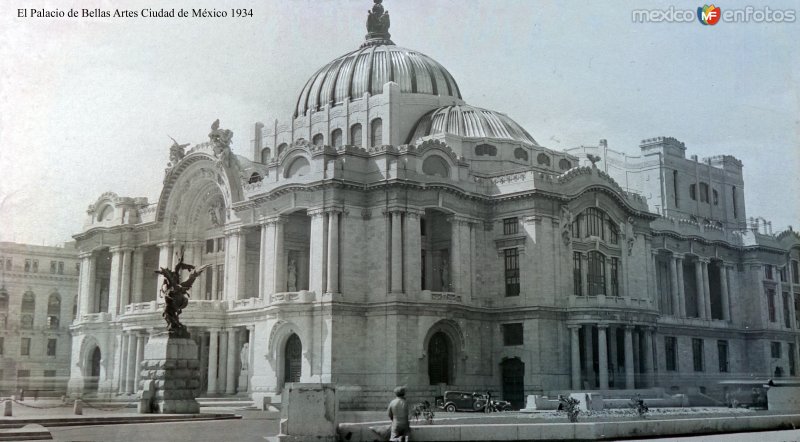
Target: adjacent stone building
x,y
390,233
38,295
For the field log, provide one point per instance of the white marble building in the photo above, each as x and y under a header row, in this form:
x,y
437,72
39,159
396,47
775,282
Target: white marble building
x,y
390,233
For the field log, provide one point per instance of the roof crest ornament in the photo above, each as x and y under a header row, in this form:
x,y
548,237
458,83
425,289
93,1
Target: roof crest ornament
x,y
378,26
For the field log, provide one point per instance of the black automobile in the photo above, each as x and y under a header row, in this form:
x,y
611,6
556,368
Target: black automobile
x,y
461,401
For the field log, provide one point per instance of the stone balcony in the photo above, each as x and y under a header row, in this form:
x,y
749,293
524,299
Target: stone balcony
x,y
444,297
602,301
292,297
95,318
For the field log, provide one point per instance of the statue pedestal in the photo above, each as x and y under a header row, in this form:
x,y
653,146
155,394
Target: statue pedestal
x,y
170,375
244,376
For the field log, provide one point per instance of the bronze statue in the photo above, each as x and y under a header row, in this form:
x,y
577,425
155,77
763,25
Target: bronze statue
x,y
378,19
176,294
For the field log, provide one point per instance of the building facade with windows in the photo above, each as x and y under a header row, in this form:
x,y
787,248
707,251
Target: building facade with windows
x,y
38,295
391,234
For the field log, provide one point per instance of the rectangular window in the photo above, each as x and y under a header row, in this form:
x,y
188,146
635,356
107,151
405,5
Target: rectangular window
x,y
51,347
512,271
209,246
2,345
576,226
722,352
595,219
797,311
220,280
8,264
792,360
61,267
675,187
697,354
733,197
53,267
576,273
768,271
35,266
220,244
209,287
596,275
787,320
510,226
22,374
512,334
771,305
49,373
614,276
25,346
613,232
782,274
28,265
671,350
795,275
775,350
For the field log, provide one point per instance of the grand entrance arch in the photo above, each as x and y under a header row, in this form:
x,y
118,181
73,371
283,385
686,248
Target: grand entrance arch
x,y
439,359
292,368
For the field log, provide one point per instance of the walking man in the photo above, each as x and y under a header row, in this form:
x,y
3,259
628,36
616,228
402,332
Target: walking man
x,y
398,413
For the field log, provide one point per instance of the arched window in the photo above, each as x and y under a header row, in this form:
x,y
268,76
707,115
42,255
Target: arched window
x,y
318,140
336,138
596,277
106,213
293,352
543,160
282,148
521,154
299,167
435,165
356,135
595,221
53,311
28,302
439,359
377,132
265,155
485,149
564,164
254,178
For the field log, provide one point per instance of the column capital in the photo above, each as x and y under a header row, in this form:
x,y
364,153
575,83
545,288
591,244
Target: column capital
x,y
574,326
677,255
389,211
416,213
165,243
602,325
461,219
120,249
629,327
275,219
234,231
704,261
85,255
315,212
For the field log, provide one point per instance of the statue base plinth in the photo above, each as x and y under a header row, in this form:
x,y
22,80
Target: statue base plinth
x,y
170,374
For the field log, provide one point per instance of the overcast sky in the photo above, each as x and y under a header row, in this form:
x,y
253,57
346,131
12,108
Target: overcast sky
x,y
86,104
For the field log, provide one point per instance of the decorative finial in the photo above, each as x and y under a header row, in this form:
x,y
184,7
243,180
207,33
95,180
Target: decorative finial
x,y
594,159
378,26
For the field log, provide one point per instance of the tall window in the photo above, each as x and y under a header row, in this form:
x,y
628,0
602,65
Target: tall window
x,y
356,135
775,350
715,194
795,273
53,311
282,148
318,140
53,267
265,155
377,132
576,226
51,347
693,192
512,334
792,360
733,196
25,346
613,232
671,352
703,192
336,138
768,271
220,280
697,354
596,277
594,222
510,226
28,264
61,267
675,187
2,345
787,320
512,271
28,302
722,352
614,276
771,305
576,273
782,274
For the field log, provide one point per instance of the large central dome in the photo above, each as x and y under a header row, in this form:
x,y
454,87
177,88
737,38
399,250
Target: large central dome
x,y
368,69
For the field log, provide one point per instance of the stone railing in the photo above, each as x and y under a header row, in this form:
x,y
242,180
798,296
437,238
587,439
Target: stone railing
x,y
609,301
199,305
442,296
287,297
246,304
141,307
102,317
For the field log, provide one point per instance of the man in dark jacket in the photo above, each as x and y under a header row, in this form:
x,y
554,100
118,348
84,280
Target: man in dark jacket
x,y
398,413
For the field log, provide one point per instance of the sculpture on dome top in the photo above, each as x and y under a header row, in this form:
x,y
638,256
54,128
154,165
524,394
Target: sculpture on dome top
x,y
378,24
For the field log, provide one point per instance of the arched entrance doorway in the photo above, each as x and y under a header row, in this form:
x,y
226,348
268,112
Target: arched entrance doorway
x,y
513,373
439,349
292,363
93,372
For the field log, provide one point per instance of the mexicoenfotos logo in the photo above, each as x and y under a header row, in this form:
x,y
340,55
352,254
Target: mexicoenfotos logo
x,y
709,15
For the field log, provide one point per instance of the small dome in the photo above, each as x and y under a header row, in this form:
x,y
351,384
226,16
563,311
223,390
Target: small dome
x,y
367,69
470,121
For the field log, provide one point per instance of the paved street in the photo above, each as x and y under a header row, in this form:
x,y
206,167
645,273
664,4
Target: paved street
x,y
763,436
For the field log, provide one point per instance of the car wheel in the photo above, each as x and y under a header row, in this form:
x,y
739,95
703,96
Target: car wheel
x,y
450,408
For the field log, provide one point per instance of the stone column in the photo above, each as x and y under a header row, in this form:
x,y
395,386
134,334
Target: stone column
x,y
726,303
602,353
612,354
279,257
673,273
138,275
397,252
333,251
86,298
223,362
428,269
412,253
637,356
630,378
700,284
132,368
588,353
123,365
262,262
139,358
114,281
706,289
164,260
576,357
648,358
230,381
212,361
125,280
456,224
681,289
234,264
317,252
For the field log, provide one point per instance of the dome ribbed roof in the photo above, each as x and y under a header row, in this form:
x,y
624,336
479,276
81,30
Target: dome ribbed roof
x,y
367,69
470,121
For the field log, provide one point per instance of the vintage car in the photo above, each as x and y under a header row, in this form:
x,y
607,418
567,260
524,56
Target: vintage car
x,y
461,401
